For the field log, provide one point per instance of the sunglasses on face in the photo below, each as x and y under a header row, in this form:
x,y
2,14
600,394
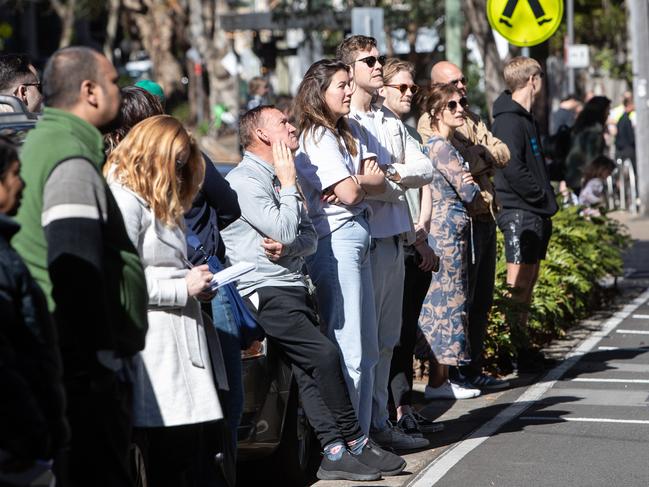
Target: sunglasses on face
x,y
452,105
371,60
403,88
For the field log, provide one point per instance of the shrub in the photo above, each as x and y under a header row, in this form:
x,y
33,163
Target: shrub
x,y
582,252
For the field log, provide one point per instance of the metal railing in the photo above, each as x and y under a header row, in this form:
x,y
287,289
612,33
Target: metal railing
x,y
622,187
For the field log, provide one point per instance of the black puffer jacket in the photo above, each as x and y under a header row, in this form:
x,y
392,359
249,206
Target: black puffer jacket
x,y
32,422
524,183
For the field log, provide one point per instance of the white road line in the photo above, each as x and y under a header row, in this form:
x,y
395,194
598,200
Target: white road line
x,y
439,467
619,381
640,317
633,332
624,349
584,420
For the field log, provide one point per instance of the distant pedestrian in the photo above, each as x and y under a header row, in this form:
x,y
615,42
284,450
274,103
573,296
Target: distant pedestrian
x,y
625,138
566,113
587,139
75,245
258,91
523,188
593,191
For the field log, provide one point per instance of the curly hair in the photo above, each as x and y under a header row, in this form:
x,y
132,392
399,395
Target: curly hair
x,y
311,109
147,162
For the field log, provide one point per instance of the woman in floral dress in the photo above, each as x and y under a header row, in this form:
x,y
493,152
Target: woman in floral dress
x,y
443,318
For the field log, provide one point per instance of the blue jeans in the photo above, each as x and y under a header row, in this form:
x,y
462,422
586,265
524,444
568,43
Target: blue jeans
x,y
231,348
342,273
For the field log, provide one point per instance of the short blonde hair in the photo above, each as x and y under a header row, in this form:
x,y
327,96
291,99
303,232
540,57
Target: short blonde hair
x,y
518,71
393,66
146,162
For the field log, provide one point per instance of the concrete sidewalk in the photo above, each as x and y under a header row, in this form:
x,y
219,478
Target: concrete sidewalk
x,y
462,417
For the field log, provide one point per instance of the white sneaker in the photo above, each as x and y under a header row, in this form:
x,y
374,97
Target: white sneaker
x,y
393,438
450,390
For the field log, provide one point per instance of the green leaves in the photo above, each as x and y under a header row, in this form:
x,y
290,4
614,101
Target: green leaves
x,y
582,251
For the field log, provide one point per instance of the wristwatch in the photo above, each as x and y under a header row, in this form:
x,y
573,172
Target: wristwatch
x,y
391,172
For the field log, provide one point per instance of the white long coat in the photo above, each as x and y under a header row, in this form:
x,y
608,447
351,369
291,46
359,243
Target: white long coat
x,y
174,383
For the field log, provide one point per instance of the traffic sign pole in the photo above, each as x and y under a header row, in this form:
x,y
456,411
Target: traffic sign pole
x,y
571,41
639,19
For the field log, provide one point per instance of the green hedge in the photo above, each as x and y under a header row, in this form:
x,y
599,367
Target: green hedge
x,y
582,252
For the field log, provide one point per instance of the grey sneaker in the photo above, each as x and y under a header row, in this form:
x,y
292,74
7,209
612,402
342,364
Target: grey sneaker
x,y
393,438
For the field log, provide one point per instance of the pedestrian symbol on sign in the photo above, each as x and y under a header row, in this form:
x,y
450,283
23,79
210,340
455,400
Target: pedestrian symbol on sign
x,y
525,22
535,5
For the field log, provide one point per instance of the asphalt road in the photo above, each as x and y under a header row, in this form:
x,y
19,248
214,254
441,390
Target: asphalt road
x,y
589,425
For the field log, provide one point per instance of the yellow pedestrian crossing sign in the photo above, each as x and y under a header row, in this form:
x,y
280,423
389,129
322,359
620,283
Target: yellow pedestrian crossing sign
x,y
525,22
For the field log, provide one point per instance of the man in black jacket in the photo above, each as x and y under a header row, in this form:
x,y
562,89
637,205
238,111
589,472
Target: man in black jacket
x,y
524,190
32,421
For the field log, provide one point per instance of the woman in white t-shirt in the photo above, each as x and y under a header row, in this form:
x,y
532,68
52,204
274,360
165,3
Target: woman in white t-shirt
x,y
336,176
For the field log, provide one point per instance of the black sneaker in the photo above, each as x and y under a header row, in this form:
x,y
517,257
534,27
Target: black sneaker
x,y
408,424
426,425
349,467
534,361
386,462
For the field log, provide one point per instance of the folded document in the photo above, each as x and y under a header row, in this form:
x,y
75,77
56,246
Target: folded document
x,y
231,274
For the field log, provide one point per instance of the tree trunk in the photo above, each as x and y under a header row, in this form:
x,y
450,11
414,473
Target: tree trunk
x,y
493,65
209,39
111,28
66,13
154,20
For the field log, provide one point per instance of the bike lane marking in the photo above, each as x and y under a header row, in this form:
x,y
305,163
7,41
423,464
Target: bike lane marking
x,y
439,467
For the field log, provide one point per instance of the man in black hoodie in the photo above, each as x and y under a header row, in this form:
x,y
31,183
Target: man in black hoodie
x,y
524,190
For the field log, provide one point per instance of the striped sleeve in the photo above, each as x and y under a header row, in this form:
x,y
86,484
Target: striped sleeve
x,y
73,217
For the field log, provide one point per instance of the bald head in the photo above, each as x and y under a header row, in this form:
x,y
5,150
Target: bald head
x,y
445,72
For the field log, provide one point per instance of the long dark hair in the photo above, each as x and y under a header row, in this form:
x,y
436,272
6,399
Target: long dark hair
x,y
595,111
8,155
310,108
600,167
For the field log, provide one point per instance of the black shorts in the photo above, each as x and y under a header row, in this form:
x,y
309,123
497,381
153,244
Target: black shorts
x,y
527,235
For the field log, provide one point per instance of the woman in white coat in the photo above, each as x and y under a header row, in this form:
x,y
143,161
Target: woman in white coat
x,y
154,174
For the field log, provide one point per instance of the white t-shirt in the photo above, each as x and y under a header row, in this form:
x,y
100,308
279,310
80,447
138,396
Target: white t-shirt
x,y
387,218
322,161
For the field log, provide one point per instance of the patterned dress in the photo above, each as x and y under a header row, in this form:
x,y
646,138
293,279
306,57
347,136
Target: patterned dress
x,y
443,317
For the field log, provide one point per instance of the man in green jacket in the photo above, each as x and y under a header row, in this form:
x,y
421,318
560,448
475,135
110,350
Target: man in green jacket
x,y
75,245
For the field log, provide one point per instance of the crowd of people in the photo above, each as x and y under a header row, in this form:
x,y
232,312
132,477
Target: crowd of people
x,y
372,241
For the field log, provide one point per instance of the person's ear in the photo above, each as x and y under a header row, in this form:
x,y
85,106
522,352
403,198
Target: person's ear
x,y
262,136
21,93
88,92
381,91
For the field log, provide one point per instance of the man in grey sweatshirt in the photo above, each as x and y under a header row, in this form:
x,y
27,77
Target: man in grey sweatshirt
x,y
275,233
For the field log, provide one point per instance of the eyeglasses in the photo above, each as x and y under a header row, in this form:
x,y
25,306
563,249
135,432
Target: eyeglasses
x,y
37,84
452,105
371,60
404,87
455,82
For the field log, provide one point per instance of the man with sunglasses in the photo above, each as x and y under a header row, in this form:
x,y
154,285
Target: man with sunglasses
x,y
528,200
18,77
484,153
391,227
